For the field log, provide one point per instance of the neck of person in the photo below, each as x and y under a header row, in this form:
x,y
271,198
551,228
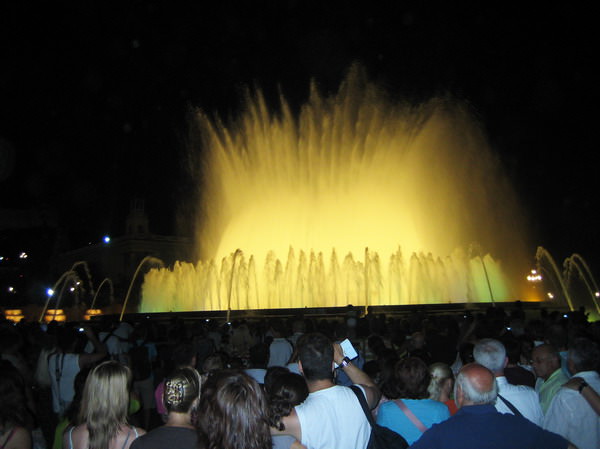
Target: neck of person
x,y
176,419
444,395
320,384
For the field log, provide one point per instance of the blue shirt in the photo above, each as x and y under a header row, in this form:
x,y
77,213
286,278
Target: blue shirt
x,y
483,427
428,411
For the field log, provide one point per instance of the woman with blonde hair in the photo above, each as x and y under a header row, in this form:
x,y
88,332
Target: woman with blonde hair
x,y
103,412
441,385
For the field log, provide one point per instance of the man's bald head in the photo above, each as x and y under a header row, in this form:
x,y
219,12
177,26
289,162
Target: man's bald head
x,y
475,385
545,360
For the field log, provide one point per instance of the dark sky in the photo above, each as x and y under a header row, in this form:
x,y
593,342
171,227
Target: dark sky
x,y
94,95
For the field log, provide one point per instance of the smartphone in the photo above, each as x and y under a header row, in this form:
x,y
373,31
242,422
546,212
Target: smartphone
x,y
348,350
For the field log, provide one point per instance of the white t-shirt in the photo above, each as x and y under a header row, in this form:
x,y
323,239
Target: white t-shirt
x,y
333,419
524,398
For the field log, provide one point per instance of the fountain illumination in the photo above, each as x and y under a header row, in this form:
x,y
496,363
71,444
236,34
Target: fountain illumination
x,y
357,199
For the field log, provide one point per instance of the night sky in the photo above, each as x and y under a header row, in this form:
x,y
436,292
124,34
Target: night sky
x,y
94,95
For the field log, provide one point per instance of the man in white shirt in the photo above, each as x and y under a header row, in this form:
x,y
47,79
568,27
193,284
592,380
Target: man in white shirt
x,y
514,399
570,415
331,417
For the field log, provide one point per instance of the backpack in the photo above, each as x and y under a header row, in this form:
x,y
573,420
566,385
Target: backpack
x,y
381,437
139,359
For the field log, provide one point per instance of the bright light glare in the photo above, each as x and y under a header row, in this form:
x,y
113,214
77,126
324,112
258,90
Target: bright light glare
x,y
106,239
49,292
534,276
550,295
23,255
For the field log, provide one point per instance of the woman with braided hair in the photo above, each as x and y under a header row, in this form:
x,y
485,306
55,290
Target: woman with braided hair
x,y
285,392
181,397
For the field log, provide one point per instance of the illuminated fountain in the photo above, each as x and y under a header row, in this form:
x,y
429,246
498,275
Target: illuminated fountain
x,y
355,199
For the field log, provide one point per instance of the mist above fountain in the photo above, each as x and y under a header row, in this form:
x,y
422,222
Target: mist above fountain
x,y
357,198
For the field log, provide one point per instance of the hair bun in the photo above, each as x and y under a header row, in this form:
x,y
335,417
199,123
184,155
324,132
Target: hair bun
x,y
174,392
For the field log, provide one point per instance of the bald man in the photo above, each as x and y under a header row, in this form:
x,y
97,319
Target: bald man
x,y
478,425
550,377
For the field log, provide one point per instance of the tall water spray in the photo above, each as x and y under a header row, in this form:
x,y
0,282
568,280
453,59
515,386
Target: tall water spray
x,y
355,199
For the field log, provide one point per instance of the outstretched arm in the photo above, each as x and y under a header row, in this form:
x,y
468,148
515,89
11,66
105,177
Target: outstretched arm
x,y
99,353
357,376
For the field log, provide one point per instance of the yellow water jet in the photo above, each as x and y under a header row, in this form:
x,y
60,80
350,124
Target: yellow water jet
x,y
357,198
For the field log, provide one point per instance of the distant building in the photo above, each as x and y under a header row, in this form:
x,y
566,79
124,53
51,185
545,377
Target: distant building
x,y
120,257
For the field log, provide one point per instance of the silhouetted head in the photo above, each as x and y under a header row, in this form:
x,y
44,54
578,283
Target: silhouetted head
x,y
412,379
584,355
315,354
544,360
491,354
233,413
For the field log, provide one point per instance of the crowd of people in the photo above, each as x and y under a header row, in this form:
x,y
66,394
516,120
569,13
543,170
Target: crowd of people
x,y
498,378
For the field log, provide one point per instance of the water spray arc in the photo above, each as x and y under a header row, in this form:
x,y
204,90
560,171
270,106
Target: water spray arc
x,y
235,256
475,247
88,275
541,255
577,263
105,281
147,259
67,276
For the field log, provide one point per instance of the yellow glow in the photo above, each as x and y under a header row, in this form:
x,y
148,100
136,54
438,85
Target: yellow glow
x,y
357,199
14,315
55,314
89,313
